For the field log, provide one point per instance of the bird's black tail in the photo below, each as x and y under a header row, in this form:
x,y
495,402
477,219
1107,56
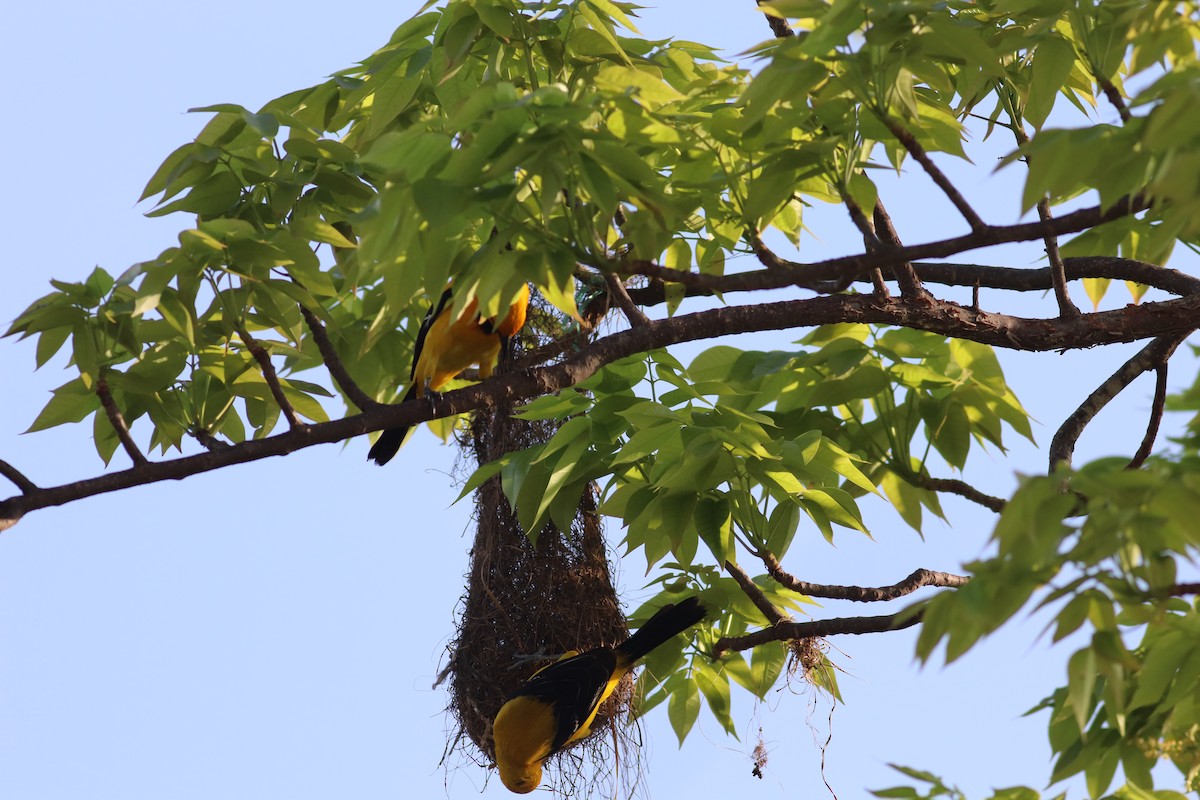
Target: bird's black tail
x,y
391,440
666,622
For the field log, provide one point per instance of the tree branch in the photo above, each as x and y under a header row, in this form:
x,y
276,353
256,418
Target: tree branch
x,y
786,631
117,420
974,276
207,440
1058,273
860,594
906,276
953,486
333,362
1128,324
268,370
779,27
1062,446
751,589
1157,407
1113,96
790,273
870,240
914,148
17,477
616,287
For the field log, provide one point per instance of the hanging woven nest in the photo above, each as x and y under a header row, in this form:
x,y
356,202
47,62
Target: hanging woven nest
x,y
525,600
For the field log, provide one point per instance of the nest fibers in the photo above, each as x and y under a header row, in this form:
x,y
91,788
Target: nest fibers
x,y
526,600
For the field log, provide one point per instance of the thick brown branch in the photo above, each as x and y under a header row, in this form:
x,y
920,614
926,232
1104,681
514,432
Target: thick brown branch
x,y
117,420
860,594
752,590
1131,323
1062,446
1183,588
17,477
1156,415
786,631
268,370
333,362
914,148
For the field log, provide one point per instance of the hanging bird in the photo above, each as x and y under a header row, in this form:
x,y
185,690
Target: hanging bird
x,y
558,703
445,347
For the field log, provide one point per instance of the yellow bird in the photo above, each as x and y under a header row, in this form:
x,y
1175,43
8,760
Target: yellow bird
x,y
558,703
446,345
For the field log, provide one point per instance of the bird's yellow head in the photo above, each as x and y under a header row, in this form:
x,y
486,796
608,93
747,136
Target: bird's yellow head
x,y
520,778
524,735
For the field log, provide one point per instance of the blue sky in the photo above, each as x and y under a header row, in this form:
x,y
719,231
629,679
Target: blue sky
x,y
274,629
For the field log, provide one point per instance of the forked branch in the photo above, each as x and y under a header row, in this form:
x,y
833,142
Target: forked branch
x,y
1151,357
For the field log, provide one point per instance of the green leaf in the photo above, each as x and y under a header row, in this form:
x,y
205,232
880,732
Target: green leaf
x,y
214,195
1081,674
72,402
714,685
1053,61
683,707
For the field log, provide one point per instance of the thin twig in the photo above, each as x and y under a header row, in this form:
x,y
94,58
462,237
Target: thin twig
x,y
914,148
1156,414
17,477
1114,97
906,276
117,420
268,370
769,259
207,440
953,486
811,275
860,594
333,362
616,288
1062,446
1058,272
752,590
786,631
870,241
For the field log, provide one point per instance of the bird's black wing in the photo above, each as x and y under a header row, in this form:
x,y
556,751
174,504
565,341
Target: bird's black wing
x,y
573,687
434,310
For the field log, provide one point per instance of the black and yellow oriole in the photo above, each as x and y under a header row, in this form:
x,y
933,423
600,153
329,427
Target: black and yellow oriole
x,y
447,344
558,703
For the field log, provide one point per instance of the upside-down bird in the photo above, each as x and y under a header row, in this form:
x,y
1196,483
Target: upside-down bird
x,y
558,703
447,344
